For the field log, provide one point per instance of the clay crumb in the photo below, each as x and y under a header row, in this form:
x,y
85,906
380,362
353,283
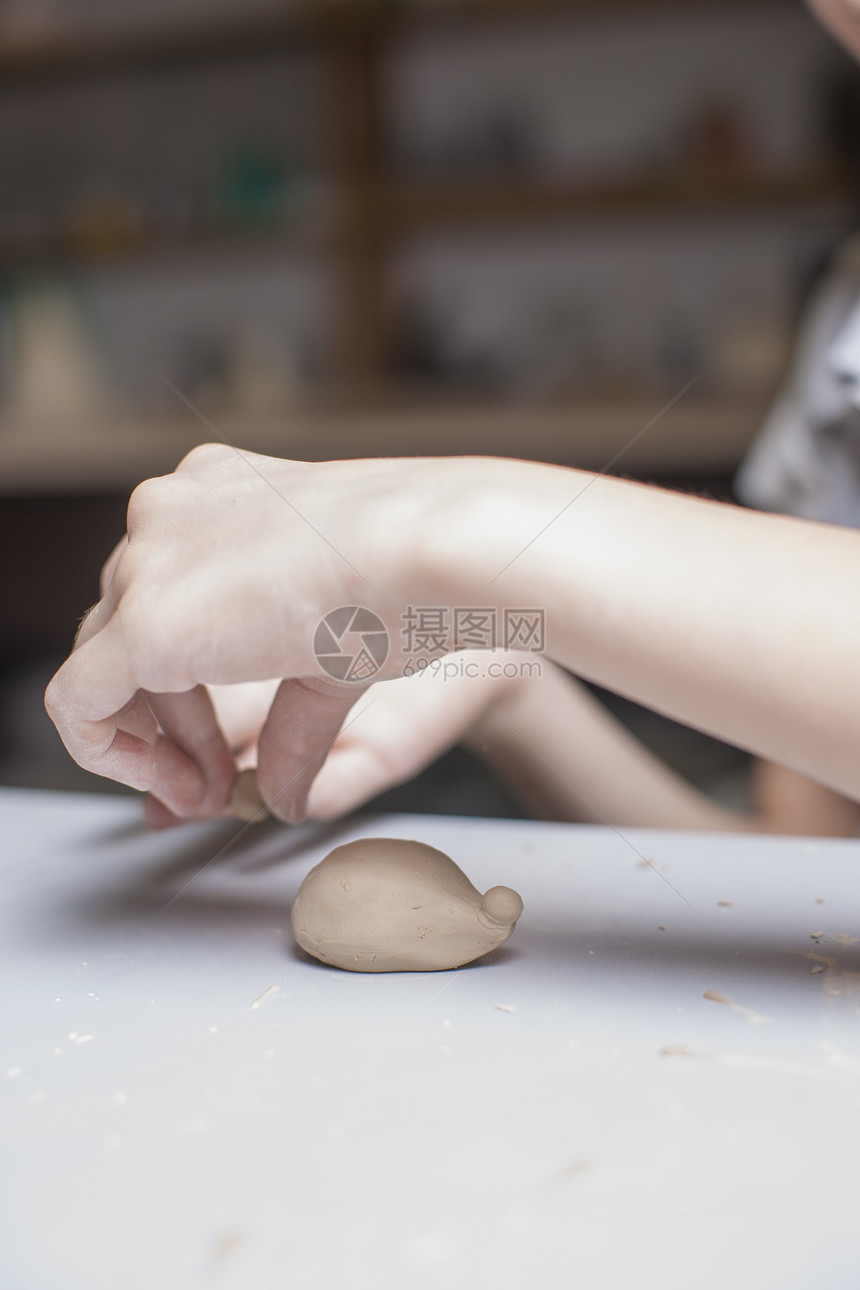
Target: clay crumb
x,y
225,1246
716,997
574,1169
724,904
819,900
505,1007
245,800
816,936
814,970
265,996
755,1018
661,927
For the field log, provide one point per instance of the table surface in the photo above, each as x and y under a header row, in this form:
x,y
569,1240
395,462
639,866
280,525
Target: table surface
x,y
657,1082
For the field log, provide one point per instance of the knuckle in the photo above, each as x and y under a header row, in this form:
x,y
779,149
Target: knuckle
x,y
86,626
111,565
128,571
203,456
143,501
108,569
135,619
160,639
52,702
147,641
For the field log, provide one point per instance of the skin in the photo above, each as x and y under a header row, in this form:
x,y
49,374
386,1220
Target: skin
x,y
560,753
557,749
741,624
842,18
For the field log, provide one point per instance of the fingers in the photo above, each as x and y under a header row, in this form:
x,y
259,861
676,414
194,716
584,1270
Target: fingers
x,y
302,725
109,727
351,776
207,770
241,711
157,815
136,719
138,755
189,721
84,700
402,727
384,747
110,564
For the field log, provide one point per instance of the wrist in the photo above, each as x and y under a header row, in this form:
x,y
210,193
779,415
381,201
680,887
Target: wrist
x,y
482,521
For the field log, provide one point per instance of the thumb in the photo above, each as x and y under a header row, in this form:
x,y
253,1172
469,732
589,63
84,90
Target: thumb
x,y
303,723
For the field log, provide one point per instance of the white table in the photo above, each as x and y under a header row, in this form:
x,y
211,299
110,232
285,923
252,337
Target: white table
x,y
573,1112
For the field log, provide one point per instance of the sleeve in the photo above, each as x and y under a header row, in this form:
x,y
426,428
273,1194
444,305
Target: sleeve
x,y
806,460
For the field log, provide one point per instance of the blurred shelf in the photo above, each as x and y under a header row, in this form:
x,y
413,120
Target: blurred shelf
x,y
395,209
694,437
366,208
483,10
512,201
306,237
65,52
62,53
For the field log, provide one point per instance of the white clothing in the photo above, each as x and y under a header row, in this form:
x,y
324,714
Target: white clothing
x,y
806,461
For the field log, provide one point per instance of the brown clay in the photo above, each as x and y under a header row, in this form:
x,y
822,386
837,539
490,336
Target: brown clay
x,y
388,905
245,799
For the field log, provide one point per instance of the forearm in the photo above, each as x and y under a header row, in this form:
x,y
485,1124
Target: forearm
x,y
786,802
566,758
740,624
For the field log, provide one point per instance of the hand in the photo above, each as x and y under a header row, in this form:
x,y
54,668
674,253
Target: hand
x,y
394,731
230,565
241,712
397,729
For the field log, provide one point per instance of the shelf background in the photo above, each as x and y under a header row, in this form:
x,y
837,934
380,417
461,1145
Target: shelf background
x,y
492,216
694,438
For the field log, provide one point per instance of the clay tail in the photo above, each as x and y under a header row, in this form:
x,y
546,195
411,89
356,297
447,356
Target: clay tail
x,y
500,907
